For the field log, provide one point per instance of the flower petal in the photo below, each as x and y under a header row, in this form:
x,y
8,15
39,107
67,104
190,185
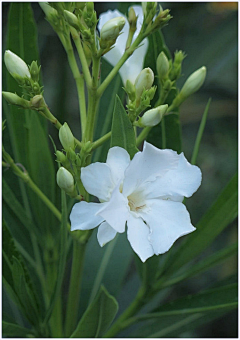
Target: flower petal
x,y
116,211
138,236
182,181
147,165
83,216
105,233
97,180
167,221
118,160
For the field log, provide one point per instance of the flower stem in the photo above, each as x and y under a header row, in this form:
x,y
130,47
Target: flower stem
x,y
143,135
116,68
101,140
78,44
47,114
78,79
74,287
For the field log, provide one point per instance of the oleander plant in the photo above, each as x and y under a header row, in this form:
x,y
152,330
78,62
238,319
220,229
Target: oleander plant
x,y
98,238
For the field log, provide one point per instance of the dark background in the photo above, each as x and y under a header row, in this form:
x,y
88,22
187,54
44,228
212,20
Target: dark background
x,y
207,32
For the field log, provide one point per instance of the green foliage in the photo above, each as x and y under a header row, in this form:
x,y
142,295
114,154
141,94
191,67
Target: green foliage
x,y
171,317
10,330
97,317
122,129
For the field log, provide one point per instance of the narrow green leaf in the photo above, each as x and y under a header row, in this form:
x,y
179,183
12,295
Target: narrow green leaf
x,y
106,266
122,130
200,133
24,292
62,257
204,264
216,219
13,330
17,210
178,313
97,317
41,170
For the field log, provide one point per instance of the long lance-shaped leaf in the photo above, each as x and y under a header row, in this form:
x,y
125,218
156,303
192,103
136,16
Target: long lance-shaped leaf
x,y
178,313
122,130
97,317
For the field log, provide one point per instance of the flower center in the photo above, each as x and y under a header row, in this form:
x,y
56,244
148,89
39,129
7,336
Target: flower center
x,y
136,202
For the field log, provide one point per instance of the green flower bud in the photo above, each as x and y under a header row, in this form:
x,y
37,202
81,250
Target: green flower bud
x,y
34,71
16,66
66,137
14,99
71,19
130,89
90,7
154,116
65,181
80,5
132,19
60,156
194,82
71,155
162,65
48,10
110,31
144,81
37,102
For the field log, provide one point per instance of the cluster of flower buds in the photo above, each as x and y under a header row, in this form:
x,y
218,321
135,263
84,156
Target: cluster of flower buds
x,y
27,78
140,93
169,71
153,22
70,161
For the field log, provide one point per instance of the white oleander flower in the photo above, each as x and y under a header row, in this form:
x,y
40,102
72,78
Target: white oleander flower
x,y
134,65
145,194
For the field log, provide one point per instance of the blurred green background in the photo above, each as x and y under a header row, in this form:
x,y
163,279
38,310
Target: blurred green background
x,y
207,32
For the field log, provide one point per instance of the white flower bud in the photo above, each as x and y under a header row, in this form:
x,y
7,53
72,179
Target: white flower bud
x,y
162,65
144,81
66,137
154,116
194,82
14,99
110,31
65,180
15,65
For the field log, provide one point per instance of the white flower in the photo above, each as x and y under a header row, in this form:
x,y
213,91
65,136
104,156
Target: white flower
x,y
134,65
145,193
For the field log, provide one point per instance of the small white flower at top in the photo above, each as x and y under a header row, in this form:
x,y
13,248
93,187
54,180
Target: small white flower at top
x,y
144,193
134,65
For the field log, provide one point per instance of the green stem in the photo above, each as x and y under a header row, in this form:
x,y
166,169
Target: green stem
x,y
74,288
163,134
121,322
101,140
78,79
47,114
116,68
143,135
78,44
